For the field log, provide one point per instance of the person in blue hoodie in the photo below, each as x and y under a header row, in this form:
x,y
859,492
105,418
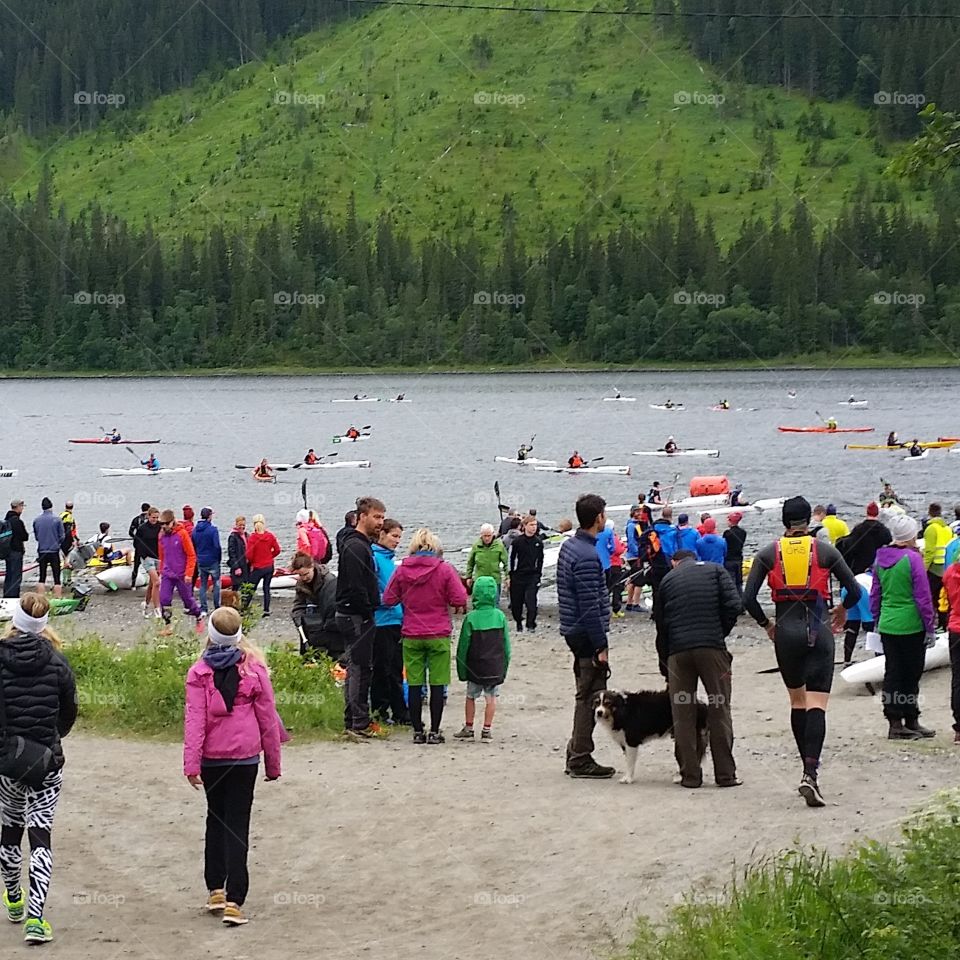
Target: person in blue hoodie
x,y
667,533
48,531
386,683
206,543
710,547
687,536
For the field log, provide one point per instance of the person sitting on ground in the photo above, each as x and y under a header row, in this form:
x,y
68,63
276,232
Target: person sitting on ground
x,y
314,610
670,446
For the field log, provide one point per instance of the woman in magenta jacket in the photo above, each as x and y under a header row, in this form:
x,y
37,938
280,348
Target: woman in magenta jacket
x,y
230,718
428,587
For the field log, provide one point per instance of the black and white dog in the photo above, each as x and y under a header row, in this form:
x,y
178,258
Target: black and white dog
x,y
633,718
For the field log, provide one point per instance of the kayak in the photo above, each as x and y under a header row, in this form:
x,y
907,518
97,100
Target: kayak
x,y
854,403
141,471
678,453
919,456
360,400
620,399
897,447
59,606
663,406
621,471
346,439
8,473
336,465
872,671
260,479
118,577
111,443
949,439
758,506
826,430
533,461
399,400
716,407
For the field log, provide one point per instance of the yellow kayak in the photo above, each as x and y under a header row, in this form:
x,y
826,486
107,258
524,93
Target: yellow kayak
x,y
925,444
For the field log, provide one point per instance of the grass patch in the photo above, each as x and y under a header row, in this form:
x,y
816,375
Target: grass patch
x,y
139,691
879,902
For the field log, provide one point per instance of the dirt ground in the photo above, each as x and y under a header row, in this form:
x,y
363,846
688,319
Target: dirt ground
x,y
387,849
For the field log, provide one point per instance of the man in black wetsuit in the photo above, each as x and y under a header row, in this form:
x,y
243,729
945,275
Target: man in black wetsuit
x,y
798,568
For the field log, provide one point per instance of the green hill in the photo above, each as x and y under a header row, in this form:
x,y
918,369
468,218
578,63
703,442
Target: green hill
x,y
456,120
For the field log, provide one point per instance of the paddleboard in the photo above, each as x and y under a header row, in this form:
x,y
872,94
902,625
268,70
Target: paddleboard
x,y
871,671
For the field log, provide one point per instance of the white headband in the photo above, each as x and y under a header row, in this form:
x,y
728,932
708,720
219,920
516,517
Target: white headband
x,y
223,639
27,624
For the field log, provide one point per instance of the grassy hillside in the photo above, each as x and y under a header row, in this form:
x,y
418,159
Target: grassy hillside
x,y
438,115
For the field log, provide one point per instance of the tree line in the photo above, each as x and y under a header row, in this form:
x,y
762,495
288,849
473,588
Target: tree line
x,y
98,293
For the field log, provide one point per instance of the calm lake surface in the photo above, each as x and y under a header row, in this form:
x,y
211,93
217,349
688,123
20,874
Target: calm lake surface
x,y
433,458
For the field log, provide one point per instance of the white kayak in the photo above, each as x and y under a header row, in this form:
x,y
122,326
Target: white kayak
x,y
622,471
399,400
854,403
342,438
141,471
620,399
532,461
676,453
872,671
663,406
758,506
919,456
119,577
336,465
8,473
358,400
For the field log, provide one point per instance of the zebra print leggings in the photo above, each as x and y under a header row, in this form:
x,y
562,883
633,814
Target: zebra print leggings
x,y
22,806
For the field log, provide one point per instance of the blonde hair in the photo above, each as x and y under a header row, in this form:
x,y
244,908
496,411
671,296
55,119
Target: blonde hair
x,y
227,620
36,605
425,539
259,523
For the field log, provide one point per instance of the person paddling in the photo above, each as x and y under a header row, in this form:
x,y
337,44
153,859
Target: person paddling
x,y
832,424
523,450
262,469
654,496
352,433
576,460
311,457
670,446
915,449
114,435
151,463
892,439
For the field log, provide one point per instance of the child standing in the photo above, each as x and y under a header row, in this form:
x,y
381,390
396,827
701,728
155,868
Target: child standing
x,y
483,656
230,718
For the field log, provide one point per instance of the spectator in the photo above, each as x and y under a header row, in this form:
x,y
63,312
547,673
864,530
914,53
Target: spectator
x,y
687,537
349,523
584,603
70,541
49,533
262,549
526,571
951,586
697,606
667,533
13,576
859,548
135,524
178,560
632,532
488,558
710,547
386,683
936,536
315,607
735,537
835,527
237,553
187,521
817,527
206,543
615,577
146,545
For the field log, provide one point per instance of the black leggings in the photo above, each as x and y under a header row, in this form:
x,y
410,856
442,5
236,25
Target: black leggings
x,y
229,793
266,575
904,656
523,593
850,633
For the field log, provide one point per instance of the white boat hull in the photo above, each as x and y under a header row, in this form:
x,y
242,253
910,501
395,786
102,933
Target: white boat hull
x,y
660,406
338,465
361,400
679,453
621,471
910,456
872,671
141,471
531,461
619,399
120,577
8,473
345,439
856,403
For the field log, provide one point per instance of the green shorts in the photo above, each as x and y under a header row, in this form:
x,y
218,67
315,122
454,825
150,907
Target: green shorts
x,y
427,655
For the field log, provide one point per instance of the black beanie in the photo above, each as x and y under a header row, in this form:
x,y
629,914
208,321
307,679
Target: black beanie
x,y
796,509
46,504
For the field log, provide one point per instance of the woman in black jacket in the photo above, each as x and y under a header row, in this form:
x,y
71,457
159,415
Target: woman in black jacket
x,y
237,553
315,607
40,699
526,569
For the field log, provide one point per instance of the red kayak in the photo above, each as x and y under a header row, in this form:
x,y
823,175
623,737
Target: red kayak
x,y
118,443
826,430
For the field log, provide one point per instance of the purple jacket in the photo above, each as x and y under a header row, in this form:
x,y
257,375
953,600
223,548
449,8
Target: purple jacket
x,y
905,599
427,586
253,727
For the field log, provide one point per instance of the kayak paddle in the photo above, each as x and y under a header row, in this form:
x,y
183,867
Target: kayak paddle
x,y
500,506
303,493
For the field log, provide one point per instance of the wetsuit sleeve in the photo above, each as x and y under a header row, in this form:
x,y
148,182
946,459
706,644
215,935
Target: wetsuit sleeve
x,y
539,559
830,558
762,565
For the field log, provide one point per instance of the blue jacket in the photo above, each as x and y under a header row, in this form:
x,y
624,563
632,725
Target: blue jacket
x,y
952,554
605,547
206,541
48,532
712,548
632,532
582,595
687,539
667,533
385,564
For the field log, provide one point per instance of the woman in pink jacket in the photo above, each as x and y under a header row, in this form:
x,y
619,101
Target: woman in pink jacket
x,y
230,718
427,586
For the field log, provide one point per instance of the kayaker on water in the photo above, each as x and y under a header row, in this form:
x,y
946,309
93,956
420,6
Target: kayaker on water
x,y
654,495
915,449
114,435
576,460
523,450
737,498
892,439
888,496
670,446
352,433
311,457
832,423
669,404
724,404
262,469
400,396
151,463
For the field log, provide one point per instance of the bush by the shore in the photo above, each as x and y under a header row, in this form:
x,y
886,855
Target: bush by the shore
x,y
879,902
139,691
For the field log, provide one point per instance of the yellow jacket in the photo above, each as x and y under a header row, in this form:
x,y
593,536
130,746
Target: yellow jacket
x,y
835,527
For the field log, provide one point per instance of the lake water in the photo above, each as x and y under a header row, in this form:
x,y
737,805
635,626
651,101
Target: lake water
x,y
433,458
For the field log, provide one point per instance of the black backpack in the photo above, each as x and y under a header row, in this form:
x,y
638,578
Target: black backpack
x,y
6,539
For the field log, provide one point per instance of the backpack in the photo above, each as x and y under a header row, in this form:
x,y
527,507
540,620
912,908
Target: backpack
x,y
69,533
6,539
319,544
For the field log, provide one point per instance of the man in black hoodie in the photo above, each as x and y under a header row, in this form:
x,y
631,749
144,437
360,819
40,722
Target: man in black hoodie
x,y
18,537
859,547
358,595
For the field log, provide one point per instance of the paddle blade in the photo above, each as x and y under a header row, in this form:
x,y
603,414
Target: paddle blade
x,y
241,466
303,492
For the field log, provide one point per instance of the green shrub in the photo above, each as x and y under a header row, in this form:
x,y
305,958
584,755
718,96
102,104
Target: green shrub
x,y
139,691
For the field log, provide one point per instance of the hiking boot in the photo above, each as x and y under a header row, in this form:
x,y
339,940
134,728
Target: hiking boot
x,y
531,629
486,735
898,731
419,736
915,727
810,791
435,736
519,628
216,901
233,916
37,931
15,908
464,733
591,770
956,736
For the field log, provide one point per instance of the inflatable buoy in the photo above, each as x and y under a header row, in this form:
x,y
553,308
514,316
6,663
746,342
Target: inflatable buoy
x,y
709,486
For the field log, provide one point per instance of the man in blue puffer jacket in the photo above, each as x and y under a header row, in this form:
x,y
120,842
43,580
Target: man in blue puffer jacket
x,y
206,543
584,621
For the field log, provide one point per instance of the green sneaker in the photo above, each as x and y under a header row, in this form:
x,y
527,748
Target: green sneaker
x,y
37,931
15,908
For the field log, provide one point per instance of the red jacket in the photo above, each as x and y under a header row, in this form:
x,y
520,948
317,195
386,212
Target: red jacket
x,y
951,583
261,549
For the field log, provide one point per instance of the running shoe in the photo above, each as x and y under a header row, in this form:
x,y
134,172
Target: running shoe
x,y
435,737
37,931
619,615
419,736
464,733
233,916
810,791
216,901
486,735
15,908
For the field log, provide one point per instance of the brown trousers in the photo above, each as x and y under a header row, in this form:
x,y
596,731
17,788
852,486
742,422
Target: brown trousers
x,y
710,665
590,679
